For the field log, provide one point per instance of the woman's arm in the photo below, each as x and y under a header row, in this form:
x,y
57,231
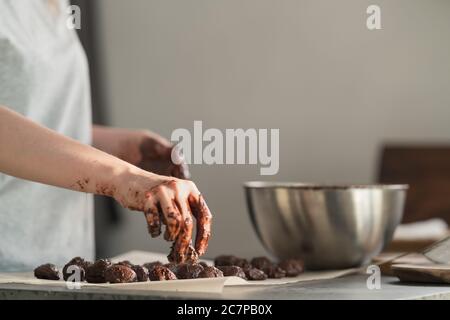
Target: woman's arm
x,y
30,151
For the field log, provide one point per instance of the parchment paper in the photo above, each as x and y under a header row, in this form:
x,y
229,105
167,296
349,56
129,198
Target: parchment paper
x,y
213,285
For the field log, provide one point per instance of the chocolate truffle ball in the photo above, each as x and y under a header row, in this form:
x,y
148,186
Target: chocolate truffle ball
x,y
190,256
230,260
141,273
95,273
261,263
47,271
243,263
275,272
293,267
233,271
125,263
151,265
255,274
210,272
189,270
120,274
161,273
172,267
224,260
78,265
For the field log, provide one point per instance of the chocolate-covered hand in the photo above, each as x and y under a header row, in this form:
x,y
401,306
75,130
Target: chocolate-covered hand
x,y
165,200
171,202
142,148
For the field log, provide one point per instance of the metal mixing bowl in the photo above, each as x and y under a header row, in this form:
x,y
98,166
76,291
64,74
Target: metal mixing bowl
x,y
330,227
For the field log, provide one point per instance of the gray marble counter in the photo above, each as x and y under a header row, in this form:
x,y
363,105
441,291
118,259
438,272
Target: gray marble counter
x,y
349,287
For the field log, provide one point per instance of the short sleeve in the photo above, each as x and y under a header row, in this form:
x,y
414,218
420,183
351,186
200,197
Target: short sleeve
x,y
14,81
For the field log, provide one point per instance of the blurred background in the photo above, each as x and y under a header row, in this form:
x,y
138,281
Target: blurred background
x,y
337,91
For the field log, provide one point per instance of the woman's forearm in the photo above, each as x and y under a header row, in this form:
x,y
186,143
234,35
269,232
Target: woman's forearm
x,y
33,152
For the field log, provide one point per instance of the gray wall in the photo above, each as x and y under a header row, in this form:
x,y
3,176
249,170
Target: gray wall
x,y
336,90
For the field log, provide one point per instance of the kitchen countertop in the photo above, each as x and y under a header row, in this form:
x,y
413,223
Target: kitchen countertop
x,y
348,287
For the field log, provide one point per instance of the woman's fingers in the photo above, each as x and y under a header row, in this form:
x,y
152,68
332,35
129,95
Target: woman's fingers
x,y
174,204
153,223
184,238
181,245
153,218
172,217
204,218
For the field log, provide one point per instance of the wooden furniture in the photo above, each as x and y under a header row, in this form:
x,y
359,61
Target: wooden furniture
x,y
427,170
413,267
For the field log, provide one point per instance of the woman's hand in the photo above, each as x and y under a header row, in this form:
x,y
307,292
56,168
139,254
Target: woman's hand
x,y
142,148
164,200
172,202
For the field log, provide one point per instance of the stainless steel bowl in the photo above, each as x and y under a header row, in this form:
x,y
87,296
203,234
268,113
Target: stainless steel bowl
x,y
330,227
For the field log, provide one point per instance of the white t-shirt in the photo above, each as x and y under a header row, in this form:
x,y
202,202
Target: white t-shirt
x,y
44,76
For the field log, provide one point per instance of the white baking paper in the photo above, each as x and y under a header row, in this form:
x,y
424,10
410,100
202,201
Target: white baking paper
x,y
210,285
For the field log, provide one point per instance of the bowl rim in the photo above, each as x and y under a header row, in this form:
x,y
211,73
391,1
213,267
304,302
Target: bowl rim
x,y
320,186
